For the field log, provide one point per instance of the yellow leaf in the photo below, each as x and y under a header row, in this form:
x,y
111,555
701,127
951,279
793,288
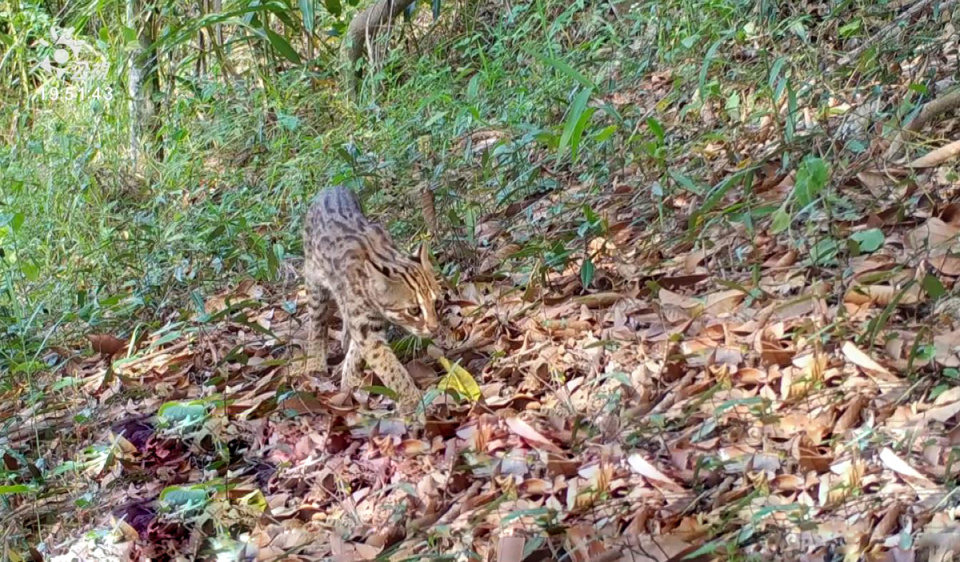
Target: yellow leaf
x,y
460,380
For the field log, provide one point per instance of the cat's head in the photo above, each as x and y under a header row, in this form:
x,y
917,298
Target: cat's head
x,y
406,291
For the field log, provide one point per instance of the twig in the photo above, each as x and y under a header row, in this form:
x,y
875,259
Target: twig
x,y
937,157
933,109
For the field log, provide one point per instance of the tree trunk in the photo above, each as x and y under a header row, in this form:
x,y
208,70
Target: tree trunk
x,y
363,27
142,80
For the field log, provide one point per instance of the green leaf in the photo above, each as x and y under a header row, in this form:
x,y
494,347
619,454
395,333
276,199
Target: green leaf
x,y
434,118
790,127
282,46
869,240
933,287
926,352
604,133
181,412
824,251
30,270
459,380
13,220
280,11
381,390
732,106
334,7
129,34
435,9
309,14
704,69
811,178
562,67
573,119
14,489
587,271
273,264
851,29
716,194
183,497
578,132
689,41
781,221
686,183
473,86
775,71
657,129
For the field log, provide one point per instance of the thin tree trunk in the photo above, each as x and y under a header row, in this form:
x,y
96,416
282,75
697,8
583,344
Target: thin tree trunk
x,y
142,80
363,27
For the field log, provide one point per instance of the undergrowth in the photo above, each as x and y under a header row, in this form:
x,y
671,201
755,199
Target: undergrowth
x,y
87,245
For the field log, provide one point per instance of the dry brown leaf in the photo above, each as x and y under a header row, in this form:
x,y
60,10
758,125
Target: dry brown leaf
x,y
531,435
599,300
861,359
583,543
723,302
876,181
901,467
882,295
692,260
675,299
935,234
947,264
851,415
106,344
947,347
647,470
510,549
943,413
888,523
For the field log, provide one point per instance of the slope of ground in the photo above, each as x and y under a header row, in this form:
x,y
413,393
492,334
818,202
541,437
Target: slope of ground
x,y
731,336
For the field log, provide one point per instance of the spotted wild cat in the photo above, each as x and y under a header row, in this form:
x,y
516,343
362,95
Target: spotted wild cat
x,y
353,262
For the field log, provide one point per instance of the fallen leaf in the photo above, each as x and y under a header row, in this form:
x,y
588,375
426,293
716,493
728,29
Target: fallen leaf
x,y
900,466
459,380
524,430
106,344
647,470
510,549
861,359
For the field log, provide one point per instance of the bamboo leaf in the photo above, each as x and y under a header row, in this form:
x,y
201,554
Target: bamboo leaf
x,y
282,46
573,119
309,14
563,68
578,131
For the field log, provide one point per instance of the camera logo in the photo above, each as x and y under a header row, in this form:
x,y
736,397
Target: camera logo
x,y
68,72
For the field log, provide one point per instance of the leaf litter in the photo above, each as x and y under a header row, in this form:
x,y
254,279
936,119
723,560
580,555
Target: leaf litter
x,y
741,391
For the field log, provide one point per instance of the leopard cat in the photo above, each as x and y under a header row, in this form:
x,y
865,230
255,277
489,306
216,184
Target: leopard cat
x,y
353,263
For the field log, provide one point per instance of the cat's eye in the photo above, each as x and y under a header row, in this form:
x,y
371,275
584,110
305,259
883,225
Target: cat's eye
x,y
414,311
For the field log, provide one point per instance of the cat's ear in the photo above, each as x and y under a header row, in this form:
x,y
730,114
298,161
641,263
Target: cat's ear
x,y
381,277
423,256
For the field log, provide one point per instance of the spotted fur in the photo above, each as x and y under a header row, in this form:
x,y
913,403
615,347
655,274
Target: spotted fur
x,y
352,263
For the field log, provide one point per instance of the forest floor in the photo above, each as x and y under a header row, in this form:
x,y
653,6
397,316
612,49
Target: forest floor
x,y
760,364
